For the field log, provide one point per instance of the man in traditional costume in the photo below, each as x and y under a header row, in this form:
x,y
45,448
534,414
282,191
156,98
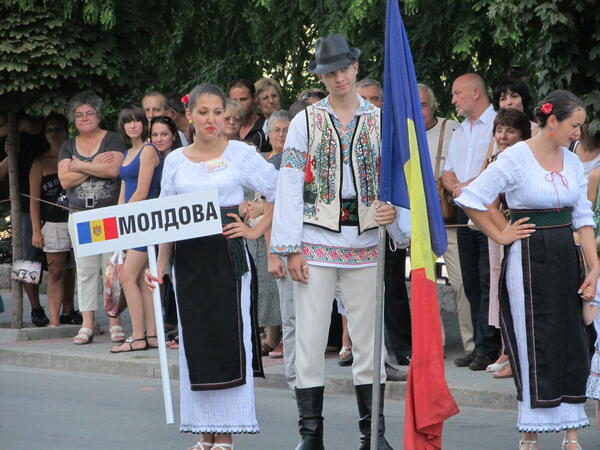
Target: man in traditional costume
x,y
325,221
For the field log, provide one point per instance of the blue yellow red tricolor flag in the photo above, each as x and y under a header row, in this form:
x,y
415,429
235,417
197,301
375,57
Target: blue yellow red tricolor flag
x,y
407,181
97,230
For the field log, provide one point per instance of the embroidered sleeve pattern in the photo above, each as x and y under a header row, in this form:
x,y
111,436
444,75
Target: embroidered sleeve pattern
x,y
294,159
286,249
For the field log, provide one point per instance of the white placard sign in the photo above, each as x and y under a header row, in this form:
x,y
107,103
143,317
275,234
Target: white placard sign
x,y
148,222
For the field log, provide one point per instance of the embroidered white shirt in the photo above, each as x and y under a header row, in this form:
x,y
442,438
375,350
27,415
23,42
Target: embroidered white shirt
x,y
322,247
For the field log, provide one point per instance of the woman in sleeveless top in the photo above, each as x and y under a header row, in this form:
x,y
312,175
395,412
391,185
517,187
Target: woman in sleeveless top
x,y
140,175
49,223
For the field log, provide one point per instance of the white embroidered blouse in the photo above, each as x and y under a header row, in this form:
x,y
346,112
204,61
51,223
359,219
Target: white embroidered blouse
x,y
239,166
528,185
323,247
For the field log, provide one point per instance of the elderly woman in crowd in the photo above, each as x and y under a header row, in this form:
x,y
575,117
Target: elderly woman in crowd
x,y
88,169
510,126
269,313
268,96
234,114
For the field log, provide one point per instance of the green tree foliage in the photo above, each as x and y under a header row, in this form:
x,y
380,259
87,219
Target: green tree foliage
x,y
557,41
51,49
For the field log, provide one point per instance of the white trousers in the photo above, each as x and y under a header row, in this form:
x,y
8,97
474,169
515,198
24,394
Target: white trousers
x,y
452,261
90,274
313,314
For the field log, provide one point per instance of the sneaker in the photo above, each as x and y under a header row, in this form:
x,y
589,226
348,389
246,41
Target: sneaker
x,y
464,361
480,362
38,317
73,318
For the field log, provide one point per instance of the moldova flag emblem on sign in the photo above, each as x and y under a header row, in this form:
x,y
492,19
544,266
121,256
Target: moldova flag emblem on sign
x,y
97,230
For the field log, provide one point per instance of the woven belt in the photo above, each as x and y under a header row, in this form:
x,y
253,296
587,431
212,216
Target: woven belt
x,y
349,212
544,218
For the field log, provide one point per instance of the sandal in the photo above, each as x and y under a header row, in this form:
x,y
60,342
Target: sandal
x,y
531,445
152,337
128,342
346,357
84,336
173,343
221,446
277,353
200,446
565,443
500,364
265,348
505,372
117,334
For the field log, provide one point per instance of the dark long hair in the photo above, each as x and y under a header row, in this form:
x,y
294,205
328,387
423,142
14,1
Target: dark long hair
x,y
132,113
516,86
169,123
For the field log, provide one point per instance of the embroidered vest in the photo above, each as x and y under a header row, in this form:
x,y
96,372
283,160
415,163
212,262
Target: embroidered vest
x,y
323,181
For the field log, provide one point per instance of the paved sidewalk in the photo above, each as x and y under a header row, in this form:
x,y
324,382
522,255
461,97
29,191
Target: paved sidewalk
x,y
477,389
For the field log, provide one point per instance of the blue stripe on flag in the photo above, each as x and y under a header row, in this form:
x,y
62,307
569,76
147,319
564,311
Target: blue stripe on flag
x,y
83,233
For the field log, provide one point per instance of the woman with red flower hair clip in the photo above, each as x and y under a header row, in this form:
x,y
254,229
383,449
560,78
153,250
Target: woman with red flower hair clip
x,y
543,281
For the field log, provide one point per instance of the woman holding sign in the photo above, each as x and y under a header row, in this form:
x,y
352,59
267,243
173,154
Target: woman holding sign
x,y
214,286
140,175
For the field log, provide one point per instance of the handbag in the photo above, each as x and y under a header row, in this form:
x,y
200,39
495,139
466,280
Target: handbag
x,y
114,297
446,200
26,271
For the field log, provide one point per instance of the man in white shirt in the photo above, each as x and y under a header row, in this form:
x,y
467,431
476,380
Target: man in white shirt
x,y
439,133
468,148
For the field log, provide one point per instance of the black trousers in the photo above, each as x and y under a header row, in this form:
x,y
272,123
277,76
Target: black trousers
x,y
397,307
475,269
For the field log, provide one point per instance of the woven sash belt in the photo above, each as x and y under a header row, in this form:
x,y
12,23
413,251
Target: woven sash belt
x,y
544,218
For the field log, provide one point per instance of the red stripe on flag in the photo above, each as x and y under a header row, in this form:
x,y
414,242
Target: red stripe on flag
x,y
110,228
428,399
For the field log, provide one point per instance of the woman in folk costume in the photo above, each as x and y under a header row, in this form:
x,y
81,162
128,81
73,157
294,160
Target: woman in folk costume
x,y
543,280
213,278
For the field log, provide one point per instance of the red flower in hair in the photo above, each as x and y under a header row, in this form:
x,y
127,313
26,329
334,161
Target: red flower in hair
x,y
185,99
546,108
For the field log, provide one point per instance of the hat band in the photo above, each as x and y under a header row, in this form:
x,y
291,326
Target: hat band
x,y
335,58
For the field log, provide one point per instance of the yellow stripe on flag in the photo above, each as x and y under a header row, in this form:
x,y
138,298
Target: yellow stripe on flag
x,y
421,255
97,229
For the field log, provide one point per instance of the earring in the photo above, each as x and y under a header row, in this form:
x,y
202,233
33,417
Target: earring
x,y
551,134
190,121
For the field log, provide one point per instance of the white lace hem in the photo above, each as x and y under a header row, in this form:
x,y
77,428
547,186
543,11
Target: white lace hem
x,y
549,428
220,429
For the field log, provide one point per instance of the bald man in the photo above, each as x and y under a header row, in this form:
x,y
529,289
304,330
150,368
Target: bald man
x,y
468,148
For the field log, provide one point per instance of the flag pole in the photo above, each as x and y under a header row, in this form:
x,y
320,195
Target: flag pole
x,y
377,345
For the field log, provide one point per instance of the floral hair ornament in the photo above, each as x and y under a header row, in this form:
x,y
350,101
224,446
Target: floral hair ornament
x,y
185,99
547,108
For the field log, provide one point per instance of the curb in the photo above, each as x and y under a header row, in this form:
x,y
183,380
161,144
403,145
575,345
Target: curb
x,y
148,366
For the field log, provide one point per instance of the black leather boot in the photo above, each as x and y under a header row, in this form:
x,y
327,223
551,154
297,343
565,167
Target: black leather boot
x,y
364,400
310,424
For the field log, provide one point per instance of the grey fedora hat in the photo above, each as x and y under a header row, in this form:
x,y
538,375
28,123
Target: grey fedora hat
x,y
332,53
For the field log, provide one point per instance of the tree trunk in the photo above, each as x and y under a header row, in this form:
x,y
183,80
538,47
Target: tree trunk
x,y
16,290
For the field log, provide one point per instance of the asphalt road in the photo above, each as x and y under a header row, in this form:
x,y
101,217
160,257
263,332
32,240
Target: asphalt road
x,y
60,410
